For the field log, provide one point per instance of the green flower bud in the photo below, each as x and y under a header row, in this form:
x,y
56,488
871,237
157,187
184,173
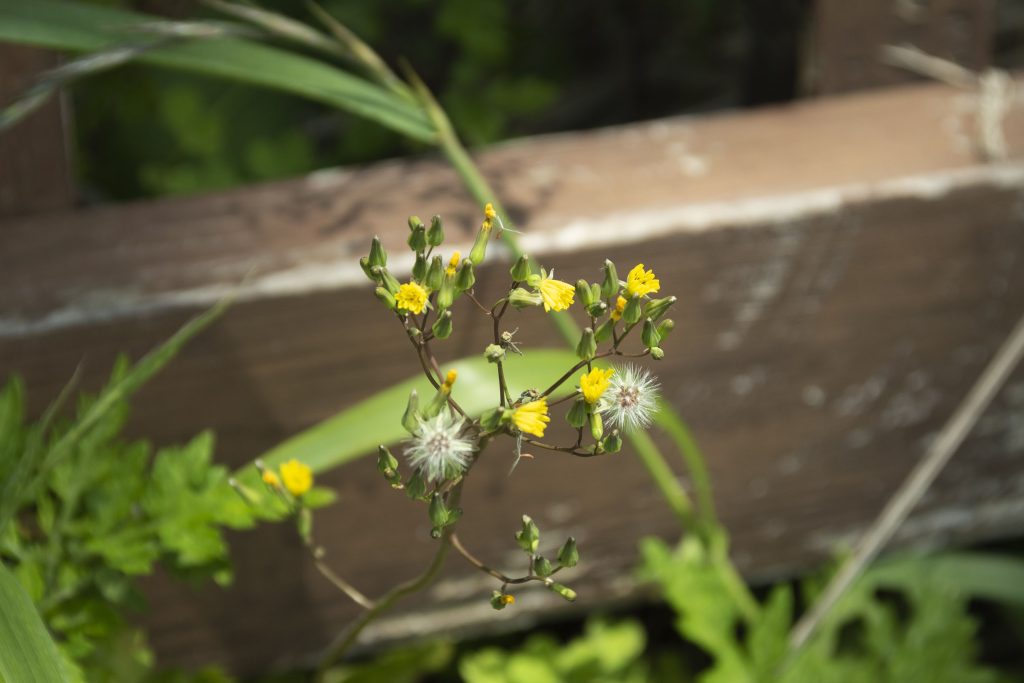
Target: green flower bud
x,y
419,269
631,313
435,234
657,353
587,346
446,294
596,426
610,285
500,601
528,537
492,419
649,335
577,415
442,327
378,256
604,331
418,239
438,512
435,274
542,566
566,592
386,279
524,298
494,353
613,444
597,309
465,278
415,222
595,291
479,250
568,555
364,263
583,291
416,488
385,296
658,307
520,270
664,327
387,464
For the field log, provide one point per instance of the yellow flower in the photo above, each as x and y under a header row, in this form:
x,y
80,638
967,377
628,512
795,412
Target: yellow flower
x,y
453,264
640,281
412,297
620,306
532,417
449,381
490,212
271,480
297,477
557,295
508,599
594,383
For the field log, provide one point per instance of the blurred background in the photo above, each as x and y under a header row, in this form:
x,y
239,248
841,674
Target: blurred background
x,y
844,235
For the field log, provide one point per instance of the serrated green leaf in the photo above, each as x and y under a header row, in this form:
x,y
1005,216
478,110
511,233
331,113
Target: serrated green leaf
x,y
27,652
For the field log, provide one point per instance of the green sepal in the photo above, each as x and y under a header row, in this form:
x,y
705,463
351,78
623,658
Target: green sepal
x,y
568,554
464,277
528,537
442,327
378,256
542,566
649,335
435,233
520,270
419,268
584,293
410,418
610,285
435,274
587,346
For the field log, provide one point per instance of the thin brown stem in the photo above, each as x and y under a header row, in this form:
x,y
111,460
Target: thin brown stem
x,y
508,580
338,582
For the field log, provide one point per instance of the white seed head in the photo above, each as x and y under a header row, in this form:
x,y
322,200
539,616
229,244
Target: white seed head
x,y
630,401
438,449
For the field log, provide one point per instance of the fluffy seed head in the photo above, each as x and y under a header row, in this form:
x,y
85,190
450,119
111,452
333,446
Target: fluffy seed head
x,y
438,449
630,401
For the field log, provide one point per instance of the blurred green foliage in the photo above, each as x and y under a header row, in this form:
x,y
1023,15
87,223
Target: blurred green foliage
x,y
500,70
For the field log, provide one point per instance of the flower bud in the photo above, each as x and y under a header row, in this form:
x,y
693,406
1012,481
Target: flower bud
x,y
596,426
435,274
385,296
568,555
364,263
415,222
631,313
665,326
520,270
491,419
387,464
479,250
585,294
604,331
416,488
610,285
524,298
657,353
528,537
658,307
577,415
494,353
649,335
378,256
446,294
435,233
438,512
442,327
542,566
566,592
418,239
386,279
597,308
500,601
613,444
410,419
465,278
419,269
587,346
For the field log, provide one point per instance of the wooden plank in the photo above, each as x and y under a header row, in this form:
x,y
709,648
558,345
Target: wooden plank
x,y
35,173
848,37
844,270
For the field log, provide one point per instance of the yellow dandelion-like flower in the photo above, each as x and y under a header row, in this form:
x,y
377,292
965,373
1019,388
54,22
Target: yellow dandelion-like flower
x,y
507,599
640,281
453,264
594,383
490,212
620,306
411,297
449,380
532,417
271,479
557,295
297,477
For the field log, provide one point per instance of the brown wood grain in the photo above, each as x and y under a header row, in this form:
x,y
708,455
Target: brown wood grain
x,y
844,270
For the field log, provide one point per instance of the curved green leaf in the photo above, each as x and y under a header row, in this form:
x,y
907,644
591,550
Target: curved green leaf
x,y
66,25
27,652
998,578
359,429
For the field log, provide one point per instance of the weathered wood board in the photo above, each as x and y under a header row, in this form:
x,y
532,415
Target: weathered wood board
x,y
844,270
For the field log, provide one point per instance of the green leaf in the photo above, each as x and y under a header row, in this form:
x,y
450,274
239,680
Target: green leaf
x,y
358,430
65,25
27,652
986,576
